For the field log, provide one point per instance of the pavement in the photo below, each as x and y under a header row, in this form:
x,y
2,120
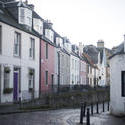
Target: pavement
x,y
9,108
60,117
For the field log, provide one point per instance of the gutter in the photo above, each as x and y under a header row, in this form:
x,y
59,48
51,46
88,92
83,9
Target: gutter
x,y
18,28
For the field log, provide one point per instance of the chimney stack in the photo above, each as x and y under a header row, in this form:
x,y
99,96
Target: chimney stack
x,y
50,24
81,47
31,6
26,2
100,44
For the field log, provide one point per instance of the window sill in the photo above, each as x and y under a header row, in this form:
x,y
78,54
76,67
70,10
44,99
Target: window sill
x,y
17,56
7,90
32,59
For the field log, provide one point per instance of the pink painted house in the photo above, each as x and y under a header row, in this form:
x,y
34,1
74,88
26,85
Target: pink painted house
x,y
47,60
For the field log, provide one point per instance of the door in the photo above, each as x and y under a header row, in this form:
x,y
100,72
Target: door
x,y
15,92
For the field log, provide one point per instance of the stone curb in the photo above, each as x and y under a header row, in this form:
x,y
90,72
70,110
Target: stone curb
x,y
24,111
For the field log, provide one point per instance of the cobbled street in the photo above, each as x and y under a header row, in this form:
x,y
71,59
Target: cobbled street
x,y
59,117
54,117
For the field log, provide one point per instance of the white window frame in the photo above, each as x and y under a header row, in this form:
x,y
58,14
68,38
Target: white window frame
x,y
6,80
17,43
32,48
49,34
25,16
22,15
31,79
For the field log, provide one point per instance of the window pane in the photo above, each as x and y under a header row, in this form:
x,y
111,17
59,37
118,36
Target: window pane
x,y
17,44
22,15
46,77
123,83
46,51
31,78
6,80
32,48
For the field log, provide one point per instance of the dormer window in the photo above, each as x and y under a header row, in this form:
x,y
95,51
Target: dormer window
x,y
38,25
59,41
49,34
22,15
25,16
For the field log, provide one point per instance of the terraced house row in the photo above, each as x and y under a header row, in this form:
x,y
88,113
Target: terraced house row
x,y
35,59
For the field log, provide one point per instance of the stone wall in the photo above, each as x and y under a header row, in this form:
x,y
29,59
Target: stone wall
x,y
70,99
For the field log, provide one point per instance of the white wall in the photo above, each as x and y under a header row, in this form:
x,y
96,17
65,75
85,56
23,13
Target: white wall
x,y
117,64
7,59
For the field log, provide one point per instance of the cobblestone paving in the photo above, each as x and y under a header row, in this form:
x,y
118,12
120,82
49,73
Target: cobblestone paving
x,y
58,117
55,117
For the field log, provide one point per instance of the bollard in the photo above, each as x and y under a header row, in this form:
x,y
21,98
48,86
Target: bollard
x,y
97,108
81,114
91,108
20,103
103,104
88,117
84,109
108,106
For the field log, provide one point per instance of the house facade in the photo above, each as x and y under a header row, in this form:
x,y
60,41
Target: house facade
x,y
82,65
91,71
19,62
47,58
74,66
117,78
62,65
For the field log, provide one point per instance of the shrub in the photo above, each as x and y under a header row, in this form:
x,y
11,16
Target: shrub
x,y
7,90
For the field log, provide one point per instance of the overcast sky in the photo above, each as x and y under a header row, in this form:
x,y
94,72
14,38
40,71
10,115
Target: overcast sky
x,y
85,21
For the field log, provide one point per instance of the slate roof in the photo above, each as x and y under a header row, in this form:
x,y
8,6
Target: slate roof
x,y
35,15
6,18
89,60
65,51
119,50
93,52
74,54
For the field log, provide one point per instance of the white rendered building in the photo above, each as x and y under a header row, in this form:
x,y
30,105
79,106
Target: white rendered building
x,y
19,55
117,78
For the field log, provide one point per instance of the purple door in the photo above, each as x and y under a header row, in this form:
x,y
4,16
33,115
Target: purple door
x,y
15,94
